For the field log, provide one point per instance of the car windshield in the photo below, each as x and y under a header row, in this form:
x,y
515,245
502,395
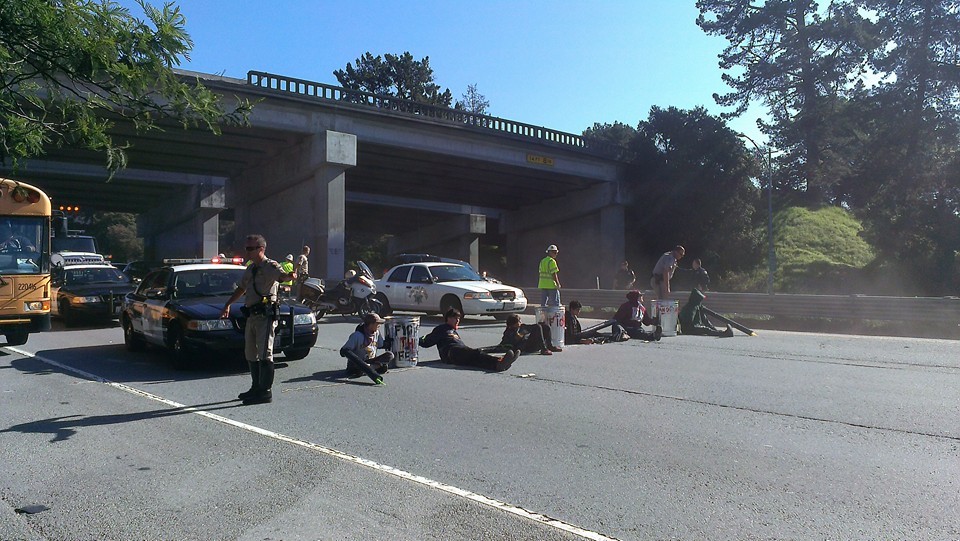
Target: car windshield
x,y
454,273
207,282
105,275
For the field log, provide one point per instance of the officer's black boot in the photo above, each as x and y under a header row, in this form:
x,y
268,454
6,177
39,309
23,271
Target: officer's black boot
x,y
264,394
255,377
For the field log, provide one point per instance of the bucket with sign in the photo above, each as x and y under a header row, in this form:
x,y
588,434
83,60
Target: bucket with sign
x,y
669,312
404,331
553,317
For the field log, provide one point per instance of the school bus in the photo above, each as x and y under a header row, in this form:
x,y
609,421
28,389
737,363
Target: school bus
x,y
24,261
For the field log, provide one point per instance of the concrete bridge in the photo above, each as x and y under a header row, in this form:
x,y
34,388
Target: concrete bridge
x,y
319,163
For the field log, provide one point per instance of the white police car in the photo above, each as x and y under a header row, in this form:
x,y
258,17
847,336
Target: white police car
x,y
438,286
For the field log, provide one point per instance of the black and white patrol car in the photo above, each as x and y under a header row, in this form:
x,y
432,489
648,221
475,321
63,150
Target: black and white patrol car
x,y
178,307
91,292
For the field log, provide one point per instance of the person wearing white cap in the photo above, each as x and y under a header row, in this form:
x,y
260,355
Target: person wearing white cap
x,y
549,278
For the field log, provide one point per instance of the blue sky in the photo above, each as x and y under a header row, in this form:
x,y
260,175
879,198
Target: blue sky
x,y
560,64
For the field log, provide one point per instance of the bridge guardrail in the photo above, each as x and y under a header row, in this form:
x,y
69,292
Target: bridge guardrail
x,y
851,307
321,91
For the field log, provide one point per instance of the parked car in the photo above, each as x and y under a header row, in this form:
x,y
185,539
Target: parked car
x,y
436,287
136,270
88,292
178,307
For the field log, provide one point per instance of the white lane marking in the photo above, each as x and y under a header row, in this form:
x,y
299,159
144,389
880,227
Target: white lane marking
x,y
473,496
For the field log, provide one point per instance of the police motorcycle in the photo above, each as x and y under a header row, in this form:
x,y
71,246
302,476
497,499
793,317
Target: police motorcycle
x,y
353,295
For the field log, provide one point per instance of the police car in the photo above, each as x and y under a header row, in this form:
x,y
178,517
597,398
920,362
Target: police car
x,y
438,286
178,307
92,291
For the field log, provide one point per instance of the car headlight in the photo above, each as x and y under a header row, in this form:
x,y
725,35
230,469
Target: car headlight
x,y
478,295
304,319
520,294
209,325
84,300
34,306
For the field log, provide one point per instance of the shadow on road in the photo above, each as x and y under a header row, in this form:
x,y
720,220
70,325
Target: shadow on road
x,y
62,428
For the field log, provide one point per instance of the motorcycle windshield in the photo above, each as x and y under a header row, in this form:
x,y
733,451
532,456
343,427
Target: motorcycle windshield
x,y
365,269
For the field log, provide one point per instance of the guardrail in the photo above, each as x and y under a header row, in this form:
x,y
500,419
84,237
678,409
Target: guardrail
x,y
325,92
851,307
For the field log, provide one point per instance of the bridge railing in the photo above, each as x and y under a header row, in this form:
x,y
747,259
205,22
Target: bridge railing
x,y
325,92
847,307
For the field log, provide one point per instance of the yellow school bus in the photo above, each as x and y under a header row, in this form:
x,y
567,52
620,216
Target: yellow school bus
x,y
24,261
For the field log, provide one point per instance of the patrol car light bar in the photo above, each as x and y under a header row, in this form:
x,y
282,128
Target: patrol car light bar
x,y
215,260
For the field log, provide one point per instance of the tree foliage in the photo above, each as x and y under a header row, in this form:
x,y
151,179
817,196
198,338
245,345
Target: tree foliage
x,y
863,98
689,183
69,68
797,60
400,76
473,101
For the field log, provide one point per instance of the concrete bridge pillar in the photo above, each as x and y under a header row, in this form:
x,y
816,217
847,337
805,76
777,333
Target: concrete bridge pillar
x,y
586,226
457,236
298,199
185,226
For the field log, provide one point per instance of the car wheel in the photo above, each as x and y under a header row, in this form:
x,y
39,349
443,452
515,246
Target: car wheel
x,y
17,338
386,309
448,302
295,354
130,338
181,355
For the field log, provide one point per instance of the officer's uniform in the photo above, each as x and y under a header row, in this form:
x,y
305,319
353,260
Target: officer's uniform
x,y
260,284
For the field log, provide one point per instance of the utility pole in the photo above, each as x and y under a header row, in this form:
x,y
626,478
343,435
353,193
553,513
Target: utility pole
x,y
767,162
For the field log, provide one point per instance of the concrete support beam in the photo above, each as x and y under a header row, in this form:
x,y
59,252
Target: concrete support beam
x,y
298,199
586,226
184,226
457,237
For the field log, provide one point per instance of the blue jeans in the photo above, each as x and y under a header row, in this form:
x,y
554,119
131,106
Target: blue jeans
x,y
550,297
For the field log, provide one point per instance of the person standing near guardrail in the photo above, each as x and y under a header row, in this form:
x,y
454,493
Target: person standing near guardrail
x,y
625,277
663,271
550,278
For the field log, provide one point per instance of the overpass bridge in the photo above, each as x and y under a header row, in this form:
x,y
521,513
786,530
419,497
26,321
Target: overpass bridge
x,y
319,163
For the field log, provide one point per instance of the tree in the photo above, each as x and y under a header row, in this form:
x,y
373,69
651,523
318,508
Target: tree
x,y
394,75
70,68
690,182
798,61
618,135
473,101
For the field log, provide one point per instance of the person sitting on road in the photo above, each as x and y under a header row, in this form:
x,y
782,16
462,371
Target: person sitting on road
x,y
574,333
454,351
693,321
362,345
632,316
528,338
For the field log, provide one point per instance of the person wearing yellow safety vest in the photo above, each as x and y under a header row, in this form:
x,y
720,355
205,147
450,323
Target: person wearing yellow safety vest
x,y
549,280
287,267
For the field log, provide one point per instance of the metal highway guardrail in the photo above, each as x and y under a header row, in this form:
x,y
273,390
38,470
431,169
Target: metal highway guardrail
x,y
325,92
852,307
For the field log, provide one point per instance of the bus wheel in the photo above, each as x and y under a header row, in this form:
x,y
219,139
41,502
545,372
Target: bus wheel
x,y
17,338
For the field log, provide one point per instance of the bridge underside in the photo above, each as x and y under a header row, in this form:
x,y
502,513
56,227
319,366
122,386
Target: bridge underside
x,y
179,180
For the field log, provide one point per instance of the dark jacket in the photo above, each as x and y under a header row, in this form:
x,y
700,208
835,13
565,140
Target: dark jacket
x,y
444,337
624,313
692,317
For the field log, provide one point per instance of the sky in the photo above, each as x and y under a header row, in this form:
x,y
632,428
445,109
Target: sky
x,y
560,64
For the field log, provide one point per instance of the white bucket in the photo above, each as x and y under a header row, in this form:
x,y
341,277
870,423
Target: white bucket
x,y
404,331
553,316
669,312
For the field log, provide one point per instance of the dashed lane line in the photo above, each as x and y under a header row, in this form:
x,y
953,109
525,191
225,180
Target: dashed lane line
x,y
472,496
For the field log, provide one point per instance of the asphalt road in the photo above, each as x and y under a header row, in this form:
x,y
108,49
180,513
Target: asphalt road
x,y
779,436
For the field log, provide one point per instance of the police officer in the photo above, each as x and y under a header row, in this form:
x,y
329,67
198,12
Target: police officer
x,y
258,287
